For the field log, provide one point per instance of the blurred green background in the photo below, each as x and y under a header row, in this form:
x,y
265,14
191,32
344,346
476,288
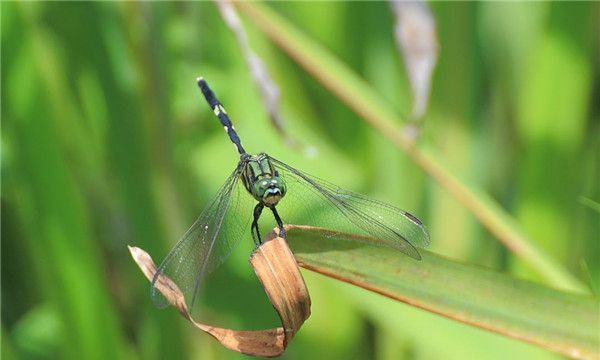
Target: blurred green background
x,y
106,141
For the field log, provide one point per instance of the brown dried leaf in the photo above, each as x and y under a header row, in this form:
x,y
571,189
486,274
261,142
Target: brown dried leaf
x,y
417,40
277,270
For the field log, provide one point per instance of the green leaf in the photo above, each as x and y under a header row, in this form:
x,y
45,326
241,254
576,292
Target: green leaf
x,y
566,323
362,99
590,203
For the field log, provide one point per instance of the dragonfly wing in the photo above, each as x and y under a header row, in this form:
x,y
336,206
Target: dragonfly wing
x,y
319,203
208,242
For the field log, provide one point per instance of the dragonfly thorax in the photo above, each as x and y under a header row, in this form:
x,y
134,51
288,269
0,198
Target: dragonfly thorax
x,y
262,180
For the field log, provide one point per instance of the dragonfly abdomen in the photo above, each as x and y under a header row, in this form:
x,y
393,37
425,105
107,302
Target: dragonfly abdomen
x,y
220,112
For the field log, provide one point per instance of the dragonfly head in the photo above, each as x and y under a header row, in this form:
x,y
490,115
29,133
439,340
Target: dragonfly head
x,y
269,190
262,180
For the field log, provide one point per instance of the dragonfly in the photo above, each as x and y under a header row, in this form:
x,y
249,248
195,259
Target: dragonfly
x,y
261,182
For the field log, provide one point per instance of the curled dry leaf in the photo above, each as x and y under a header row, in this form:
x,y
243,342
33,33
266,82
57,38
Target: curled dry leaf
x,y
277,270
417,40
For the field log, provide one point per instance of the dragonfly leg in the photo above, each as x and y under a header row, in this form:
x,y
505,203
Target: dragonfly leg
x,y
279,222
254,228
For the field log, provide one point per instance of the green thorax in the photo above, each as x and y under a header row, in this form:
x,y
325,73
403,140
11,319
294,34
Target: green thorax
x,y
262,180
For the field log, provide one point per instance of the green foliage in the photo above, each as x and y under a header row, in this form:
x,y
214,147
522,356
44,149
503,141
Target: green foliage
x,y
566,323
106,141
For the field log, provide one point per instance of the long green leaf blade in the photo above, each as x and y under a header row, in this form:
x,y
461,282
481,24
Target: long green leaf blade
x,y
566,323
362,99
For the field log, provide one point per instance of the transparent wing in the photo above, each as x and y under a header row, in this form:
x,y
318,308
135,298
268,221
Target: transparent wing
x,y
208,242
312,201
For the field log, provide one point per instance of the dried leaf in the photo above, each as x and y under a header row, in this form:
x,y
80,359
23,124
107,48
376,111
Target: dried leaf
x,y
277,270
417,40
